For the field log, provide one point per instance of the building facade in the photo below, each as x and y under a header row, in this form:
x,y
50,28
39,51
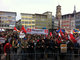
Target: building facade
x,y
68,22
27,20
71,21
38,21
7,19
77,20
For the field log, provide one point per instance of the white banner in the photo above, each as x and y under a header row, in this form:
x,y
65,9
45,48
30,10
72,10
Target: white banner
x,y
2,40
37,31
21,35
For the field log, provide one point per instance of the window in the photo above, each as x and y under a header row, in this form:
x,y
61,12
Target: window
x,y
33,22
26,22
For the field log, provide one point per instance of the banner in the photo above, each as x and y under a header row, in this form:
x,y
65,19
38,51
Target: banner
x,y
37,31
2,30
21,35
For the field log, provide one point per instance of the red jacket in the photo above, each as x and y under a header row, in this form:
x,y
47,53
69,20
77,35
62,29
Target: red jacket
x,y
7,46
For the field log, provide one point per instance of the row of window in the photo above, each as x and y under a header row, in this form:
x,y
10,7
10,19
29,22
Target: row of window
x,y
26,15
34,19
41,19
4,25
65,23
78,17
7,18
29,26
27,22
7,14
77,20
27,18
77,24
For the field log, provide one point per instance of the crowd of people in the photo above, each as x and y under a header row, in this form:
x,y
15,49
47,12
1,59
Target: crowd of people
x,y
33,43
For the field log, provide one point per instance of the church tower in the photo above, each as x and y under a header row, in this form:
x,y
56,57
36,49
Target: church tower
x,y
58,15
74,9
58,12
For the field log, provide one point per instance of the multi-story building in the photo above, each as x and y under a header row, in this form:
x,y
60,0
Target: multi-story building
x,y
41,21
77,20
44,20
67,22
7,19
27,20
37,20
71,21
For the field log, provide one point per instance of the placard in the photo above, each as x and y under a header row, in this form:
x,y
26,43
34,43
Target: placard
x,y
63,48
21,35
2,40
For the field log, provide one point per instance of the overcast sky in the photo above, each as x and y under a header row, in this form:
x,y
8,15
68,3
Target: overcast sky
x,y
39,6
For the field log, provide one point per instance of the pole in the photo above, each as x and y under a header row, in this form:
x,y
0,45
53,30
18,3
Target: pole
x,y
35,49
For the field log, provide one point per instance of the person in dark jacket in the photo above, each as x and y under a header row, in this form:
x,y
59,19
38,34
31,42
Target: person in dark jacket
x,y
47,47
76,46
0,50
70,46
31,48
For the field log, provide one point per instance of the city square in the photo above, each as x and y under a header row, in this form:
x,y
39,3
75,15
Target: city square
x,y
39,30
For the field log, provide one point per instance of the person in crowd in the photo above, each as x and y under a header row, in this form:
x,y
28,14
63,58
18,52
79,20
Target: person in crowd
x,y
31,48
70,47
47,46
24,46
0,50
7,50
35,44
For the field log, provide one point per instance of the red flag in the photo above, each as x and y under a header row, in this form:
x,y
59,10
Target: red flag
x,y
72,38
24,30
50,33
58,41
15,29
61,33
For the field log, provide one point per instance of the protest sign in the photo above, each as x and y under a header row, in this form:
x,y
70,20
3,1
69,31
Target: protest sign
x,y
2,40
63,48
